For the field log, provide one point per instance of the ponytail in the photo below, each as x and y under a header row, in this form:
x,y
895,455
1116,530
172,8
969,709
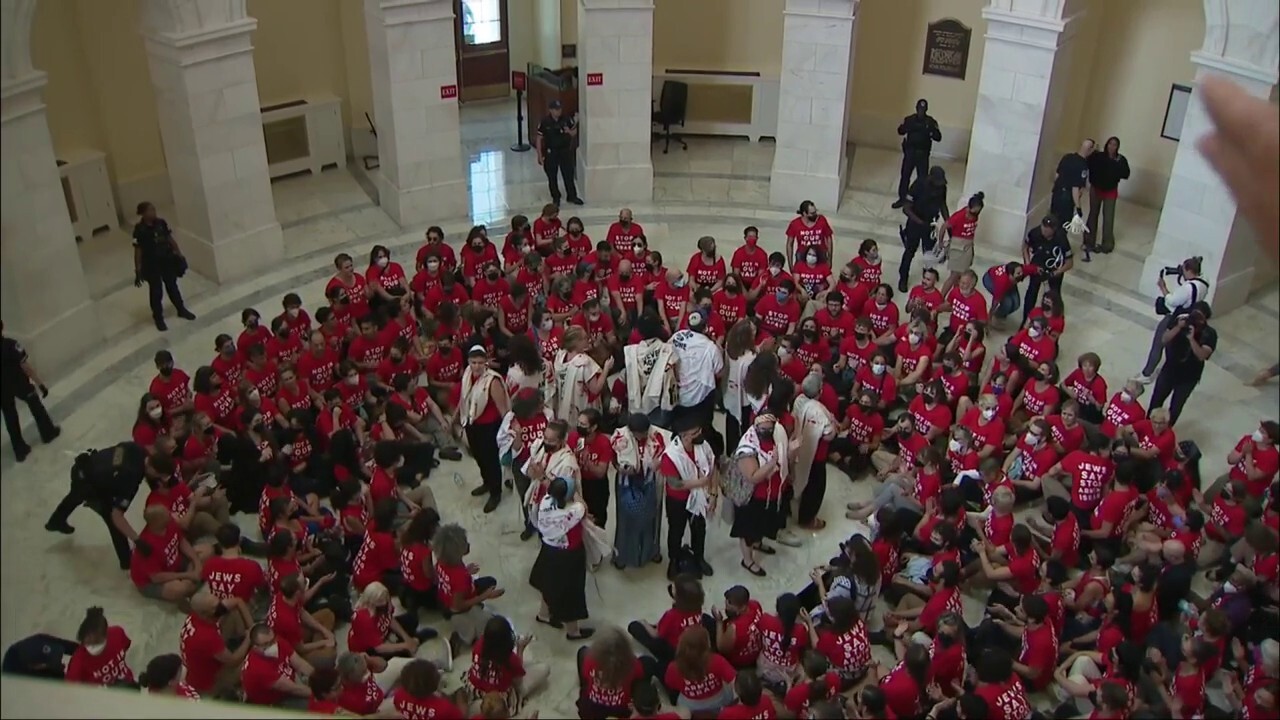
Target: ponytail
x,y
95,621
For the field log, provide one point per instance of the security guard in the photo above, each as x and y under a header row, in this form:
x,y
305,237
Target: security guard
x,y
919,132
39,656
926,202
158,261
19,381
106,481
555,151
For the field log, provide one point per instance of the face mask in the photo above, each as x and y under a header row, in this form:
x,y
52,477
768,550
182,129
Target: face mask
x,y
774,270
230,349
752,240
946,640
867,406
873,257
731,288
492,274
95,649
930,399
1033,439
997,390
583,430
252,324
699,440
915,338
948,367
575,231
904,432
1126,397
1258,436
1033,332
784,352
547,325
989,413
208,431
353,380
156,413
955,445
167,370
861,335
272,650
624,276
878,368
781,297
679,283
254,396
811,259
811,334
433,266
1230,588
381,262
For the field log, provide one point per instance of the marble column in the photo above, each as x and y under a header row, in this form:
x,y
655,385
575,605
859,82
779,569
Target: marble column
x,y
206,88
810,161
45,297
614,136
415,107
1199,215
1021,90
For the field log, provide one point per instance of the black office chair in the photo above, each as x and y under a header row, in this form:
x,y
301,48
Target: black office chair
x,y
672,105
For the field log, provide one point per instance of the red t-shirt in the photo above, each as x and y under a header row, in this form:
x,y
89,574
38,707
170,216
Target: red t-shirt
x,y
962,225
674,622
849,651
361,698
376,556
1164,443
901,692
439,295
929,419
453,581
671,300
911,356
448,259
445,367
966,309
355,292
1040,650
703,274
474,261
164,557
173,392
1090,475
200,643
1039,400
1005,701
930,299
771,637
864,425
1119,413
813,279
319,372
763,710
746,646
233,577
883,318
775,318
798,698
597,450
433,707
856,356
1114,508
368,629
629,291
1265,460
817,236
749,261
1079,387
730,308
1066,540
414,561
1001,283
285,619
487,677
719,674
605,696
260,673
107,667
943,600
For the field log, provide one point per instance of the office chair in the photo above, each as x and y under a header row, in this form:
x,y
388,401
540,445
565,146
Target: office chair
x,y
671,110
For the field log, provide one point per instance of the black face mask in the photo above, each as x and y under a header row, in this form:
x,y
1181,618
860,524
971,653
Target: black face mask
x,y
583,430
810,334
492,275
731,288
699,440
209,430
344,301
867,406
946,639
861,335
904,433
167,370
930,400
549,447
624,276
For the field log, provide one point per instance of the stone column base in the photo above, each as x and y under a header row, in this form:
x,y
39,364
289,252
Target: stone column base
x,y
422,205
1003,230
232,258
788,189
61,345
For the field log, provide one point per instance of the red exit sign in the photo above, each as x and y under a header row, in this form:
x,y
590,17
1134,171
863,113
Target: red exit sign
x,y
448,92
595,79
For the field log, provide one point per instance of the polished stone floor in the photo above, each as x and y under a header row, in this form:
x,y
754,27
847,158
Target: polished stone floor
x,y
715,188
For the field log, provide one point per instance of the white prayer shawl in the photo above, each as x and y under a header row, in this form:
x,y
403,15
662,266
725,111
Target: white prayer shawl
x,y
570,397
690,469
561,463
554,523
734,396
507,435
475,395
630,454
813,420
750,445
649,376
518,379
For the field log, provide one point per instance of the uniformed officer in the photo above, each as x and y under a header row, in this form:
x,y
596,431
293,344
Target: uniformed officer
x,y
39,656
20,382
106,481
1069,182
926,202
919,132
158,260
555,151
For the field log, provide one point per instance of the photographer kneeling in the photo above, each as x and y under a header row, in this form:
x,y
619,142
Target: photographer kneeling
x,y
1188,343
1191,289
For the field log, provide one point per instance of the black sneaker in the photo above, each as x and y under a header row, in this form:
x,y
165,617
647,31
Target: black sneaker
x,y
526,534
898,203
63,527
492,504
1067,709
53,435
705,568
186,314
576,200
902,284
482,490
671,571
160,325
451,453
22,452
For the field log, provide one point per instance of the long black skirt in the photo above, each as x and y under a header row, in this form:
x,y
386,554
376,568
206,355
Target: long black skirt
x,y
560,575
753,521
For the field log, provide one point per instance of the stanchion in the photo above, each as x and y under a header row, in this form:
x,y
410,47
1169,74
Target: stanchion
x,y
518,83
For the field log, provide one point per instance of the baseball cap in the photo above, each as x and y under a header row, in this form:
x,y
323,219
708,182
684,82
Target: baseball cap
x,y
41,654
555,105
697,318
1049,221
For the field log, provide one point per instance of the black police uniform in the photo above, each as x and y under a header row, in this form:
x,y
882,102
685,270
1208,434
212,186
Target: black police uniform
x,y
1048,255
160,266
104,480
1073,172
919,133
558,156
38,656
17,386
928,202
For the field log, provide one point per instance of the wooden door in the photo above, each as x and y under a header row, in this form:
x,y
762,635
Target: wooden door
x,y
484,64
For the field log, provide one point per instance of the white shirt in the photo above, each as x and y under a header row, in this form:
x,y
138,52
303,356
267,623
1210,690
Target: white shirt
x,y
1185,295
698,363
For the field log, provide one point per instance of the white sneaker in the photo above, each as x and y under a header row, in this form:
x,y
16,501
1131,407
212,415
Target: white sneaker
x,y
1144,379
788,538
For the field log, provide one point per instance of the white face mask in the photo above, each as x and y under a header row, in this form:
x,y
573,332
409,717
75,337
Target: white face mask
x,y
878,368
157,413
1126,397
1033,439
292,312
989,413
915,338
255,396
1258,436
955,445
811,259
433,266
774,269
381,262
1230,588
353,380
95,650
547,325
679,283
1033,332
272,650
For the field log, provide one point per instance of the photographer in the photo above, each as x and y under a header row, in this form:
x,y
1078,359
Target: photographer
x,y
1191,289
1188,343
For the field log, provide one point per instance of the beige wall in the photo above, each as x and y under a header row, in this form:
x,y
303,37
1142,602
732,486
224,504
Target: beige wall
x,y
547,21
887,78
298,50
740,35
569,25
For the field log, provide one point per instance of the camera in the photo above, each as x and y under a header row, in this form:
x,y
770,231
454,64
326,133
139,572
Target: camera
x,y
1171,270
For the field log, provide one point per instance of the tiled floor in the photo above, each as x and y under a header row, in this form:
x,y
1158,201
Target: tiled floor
x,y
716,187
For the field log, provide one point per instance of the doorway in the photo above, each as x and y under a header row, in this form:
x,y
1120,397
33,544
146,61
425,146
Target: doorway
x,y
483,50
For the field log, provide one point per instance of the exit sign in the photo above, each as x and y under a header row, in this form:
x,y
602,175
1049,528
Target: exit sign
x,y
448,92
595,79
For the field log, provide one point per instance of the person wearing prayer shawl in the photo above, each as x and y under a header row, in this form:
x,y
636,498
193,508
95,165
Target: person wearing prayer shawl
x,y
579,380
481,401
688,469
815,427
649,372
638,449
522,427
549,458
763,458
560,572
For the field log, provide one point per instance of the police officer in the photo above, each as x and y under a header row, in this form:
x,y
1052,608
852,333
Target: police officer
x,y
926,202
158,260
919,132
39,656
1069,181
20,381
1047,248
555,151
106,481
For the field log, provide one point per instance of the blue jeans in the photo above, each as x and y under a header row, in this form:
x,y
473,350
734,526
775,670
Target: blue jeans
x,y
1006,305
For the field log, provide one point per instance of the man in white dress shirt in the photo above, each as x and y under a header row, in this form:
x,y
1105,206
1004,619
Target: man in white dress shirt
x,y
699,362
